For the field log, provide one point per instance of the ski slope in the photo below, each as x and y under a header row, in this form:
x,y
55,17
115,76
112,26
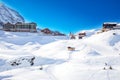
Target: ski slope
x,y
22,55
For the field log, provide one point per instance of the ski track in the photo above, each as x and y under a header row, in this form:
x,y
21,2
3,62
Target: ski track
x,y
108,76
92,75
47,70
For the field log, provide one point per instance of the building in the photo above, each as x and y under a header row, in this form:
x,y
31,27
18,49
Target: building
x,y
50,32
72,36
20,27
46,31
110,26
81,35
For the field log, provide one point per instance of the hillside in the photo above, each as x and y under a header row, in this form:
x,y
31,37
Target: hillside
x,y
9,15
23,55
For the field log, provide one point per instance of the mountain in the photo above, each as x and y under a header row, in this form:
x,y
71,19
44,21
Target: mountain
x,y
9,15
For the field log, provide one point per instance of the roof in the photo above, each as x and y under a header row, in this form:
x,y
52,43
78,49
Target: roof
x,y
110,23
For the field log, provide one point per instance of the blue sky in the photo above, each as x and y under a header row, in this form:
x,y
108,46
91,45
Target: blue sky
x,y
67,15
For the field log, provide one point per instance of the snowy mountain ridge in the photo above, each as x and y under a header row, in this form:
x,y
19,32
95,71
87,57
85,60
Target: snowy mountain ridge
x,y
9,15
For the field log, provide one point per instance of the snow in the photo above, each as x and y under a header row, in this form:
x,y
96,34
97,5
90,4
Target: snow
x,y
89,32
118,24
22,55
110,22
9,15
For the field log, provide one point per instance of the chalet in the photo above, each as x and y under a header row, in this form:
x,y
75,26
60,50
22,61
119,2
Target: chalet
x,y
46,31
81,35
110,26
8,27
20,27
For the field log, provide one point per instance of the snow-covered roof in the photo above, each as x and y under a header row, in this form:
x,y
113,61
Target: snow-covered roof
x,y
110,22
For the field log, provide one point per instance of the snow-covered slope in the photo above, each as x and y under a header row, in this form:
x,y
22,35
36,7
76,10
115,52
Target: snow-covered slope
x,y
9,15
23,55
89,32
22,38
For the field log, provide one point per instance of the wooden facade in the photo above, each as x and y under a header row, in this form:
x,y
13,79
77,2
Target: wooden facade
x,y
20,27
81,35
46,31
71,48
110,26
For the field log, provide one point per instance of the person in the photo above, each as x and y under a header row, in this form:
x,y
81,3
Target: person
x,y
41,68
110,68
